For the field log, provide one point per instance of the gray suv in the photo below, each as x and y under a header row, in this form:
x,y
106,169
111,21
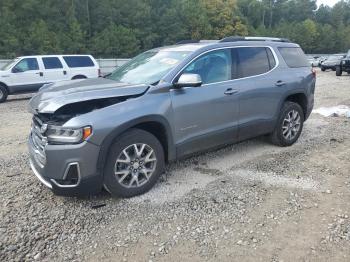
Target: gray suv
x,y
118,132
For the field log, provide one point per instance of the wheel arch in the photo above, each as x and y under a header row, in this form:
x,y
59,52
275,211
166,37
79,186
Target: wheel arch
x,y
80,76
299,97
5,85
154,124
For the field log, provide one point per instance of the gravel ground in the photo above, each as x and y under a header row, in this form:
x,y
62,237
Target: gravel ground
x,y
246,202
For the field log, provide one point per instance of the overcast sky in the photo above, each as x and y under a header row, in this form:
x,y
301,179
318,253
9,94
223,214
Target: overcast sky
x,y
327,2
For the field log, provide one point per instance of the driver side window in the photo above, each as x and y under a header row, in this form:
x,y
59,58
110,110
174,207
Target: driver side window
x,y
213,67
26,64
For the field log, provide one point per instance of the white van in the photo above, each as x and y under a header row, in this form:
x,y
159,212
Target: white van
x,y
27,74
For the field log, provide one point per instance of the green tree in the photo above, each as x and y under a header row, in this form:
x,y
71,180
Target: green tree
x,y
115,41
223,18
39,40
119,28
9,44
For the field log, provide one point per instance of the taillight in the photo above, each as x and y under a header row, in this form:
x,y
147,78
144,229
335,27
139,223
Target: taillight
x,y
99,72
313,70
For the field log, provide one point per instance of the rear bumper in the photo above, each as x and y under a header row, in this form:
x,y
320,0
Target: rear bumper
x,y
310,107
60,161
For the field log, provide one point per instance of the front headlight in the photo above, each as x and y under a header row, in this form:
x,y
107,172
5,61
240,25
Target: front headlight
x,y
61,135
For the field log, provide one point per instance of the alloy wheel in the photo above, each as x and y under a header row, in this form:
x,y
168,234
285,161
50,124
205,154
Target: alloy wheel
x,y
135,165
291,125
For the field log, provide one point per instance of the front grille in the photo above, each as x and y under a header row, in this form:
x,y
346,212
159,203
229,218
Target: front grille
x,y
39,140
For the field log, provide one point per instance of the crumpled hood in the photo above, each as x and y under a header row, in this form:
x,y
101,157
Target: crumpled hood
x,y
51,97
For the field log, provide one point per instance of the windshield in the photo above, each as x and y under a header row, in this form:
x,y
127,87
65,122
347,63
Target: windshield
x,y
149,67
9,64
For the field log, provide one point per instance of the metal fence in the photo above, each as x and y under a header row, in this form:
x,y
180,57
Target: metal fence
x,y
106,65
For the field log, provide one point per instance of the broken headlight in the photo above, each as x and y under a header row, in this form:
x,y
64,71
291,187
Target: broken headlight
x,y
61,135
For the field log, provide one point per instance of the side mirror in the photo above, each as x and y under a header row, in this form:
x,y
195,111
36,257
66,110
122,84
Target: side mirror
x,y
189,80
17,70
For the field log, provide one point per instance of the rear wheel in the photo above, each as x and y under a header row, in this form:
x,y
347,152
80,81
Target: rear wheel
x,y
3,93
338,71
289,125
134,164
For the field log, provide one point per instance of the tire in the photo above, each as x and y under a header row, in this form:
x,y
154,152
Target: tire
x,y
338,71
3,93
78,77
323,69
119,172
278,137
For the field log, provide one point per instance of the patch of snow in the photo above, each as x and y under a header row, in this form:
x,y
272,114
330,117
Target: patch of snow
x,y
340,110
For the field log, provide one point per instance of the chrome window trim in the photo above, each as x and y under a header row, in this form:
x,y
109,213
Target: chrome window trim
x,y
231,47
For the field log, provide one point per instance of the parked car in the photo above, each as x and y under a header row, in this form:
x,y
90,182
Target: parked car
x,y
165,104
332,62
314,62
344,66
321,60
27,74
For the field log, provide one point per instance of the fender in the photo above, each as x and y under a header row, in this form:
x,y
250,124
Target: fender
x,y
5,85
124,127
284,97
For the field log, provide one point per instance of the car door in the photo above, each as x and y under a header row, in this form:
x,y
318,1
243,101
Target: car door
x,y
260,90
54,70
26,76
80,66
206,116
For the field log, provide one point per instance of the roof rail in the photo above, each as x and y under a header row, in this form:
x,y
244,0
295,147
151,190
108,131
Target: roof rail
x,y
250,38
183,42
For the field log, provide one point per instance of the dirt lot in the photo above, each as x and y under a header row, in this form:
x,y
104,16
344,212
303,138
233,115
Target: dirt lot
x,y
246,202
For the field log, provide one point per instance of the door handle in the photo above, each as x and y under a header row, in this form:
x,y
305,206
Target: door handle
x,y
40,73
280,83
230,92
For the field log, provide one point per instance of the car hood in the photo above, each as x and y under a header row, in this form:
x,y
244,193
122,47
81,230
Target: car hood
x,y
331,62
51,97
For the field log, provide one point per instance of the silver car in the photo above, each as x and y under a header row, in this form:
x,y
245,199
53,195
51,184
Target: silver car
x,y
118,132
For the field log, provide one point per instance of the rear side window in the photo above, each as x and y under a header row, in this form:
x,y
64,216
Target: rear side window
x,y
52,63
78,61
253,61
294,57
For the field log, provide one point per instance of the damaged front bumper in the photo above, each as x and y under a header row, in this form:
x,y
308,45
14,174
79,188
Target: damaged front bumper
x,y
68,170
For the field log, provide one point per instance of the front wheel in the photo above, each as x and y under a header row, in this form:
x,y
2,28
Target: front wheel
x,y
289,125
134,164
323,69
3,93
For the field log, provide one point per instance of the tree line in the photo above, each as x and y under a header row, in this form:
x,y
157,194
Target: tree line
x,y
122,29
